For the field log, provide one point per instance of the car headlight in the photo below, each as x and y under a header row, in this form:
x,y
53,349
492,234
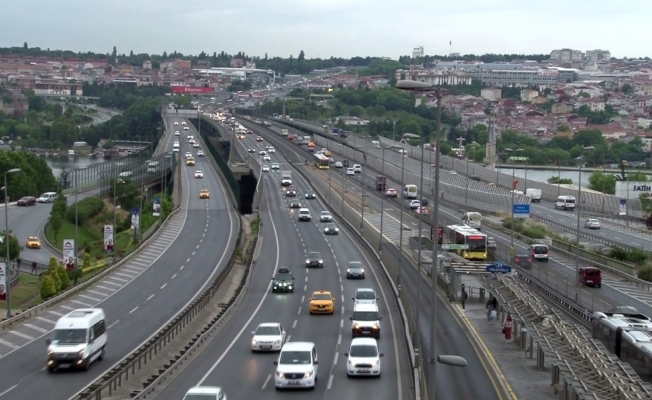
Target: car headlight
x,y
307,261
356,326
376,326
308,374
376,362
350,362
50,352
321,261
337,229
277,341
254,343
348,270
280,374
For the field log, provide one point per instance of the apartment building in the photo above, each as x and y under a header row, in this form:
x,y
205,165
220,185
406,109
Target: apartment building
x,y
566,55
522,77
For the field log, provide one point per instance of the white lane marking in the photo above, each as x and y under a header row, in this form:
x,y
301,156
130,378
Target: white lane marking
x,y
115,278
135,308
164,285
108,283
58,314
335,360
22,335
114,323
89,297
339,339
104,288
36,328
341,323
303,298
246,324
305,287
294,325
66,307
306,279
8,390
174,276
288,338
96,292
266,381
150,297
299,312
8,344
49,321
80,303
188,260
181,267
330,382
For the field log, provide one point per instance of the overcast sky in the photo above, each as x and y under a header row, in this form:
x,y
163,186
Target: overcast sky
x,y
325,28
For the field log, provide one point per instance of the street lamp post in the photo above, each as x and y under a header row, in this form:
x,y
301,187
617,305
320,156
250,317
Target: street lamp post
x,y
511,236
400,232
8,280
577,232
434,358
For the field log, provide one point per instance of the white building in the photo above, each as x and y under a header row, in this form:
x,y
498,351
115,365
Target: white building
x,y
417,52
529,94
598,55
566,55
491,94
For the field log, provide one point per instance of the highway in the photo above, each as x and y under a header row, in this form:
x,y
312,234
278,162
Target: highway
x,y
470,382
544,209
138,299
228,361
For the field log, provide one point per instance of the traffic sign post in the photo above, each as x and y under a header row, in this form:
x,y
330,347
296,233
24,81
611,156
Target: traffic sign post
x,y
521,211
499,267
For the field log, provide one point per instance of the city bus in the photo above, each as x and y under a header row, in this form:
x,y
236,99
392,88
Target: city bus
x,y
474,242
321,161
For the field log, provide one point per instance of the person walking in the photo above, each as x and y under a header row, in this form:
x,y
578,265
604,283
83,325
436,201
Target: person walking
x,y
463,298
494,302
507,328
34,270
489,311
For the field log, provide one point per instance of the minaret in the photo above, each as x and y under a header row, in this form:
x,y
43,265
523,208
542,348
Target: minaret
x,y
490,158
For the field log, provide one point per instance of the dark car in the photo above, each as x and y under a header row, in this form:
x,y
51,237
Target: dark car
x,y
314,260
283,281
27,201
310,195
355,270
331,229
295,204
291,192
590,276
251,150
523,261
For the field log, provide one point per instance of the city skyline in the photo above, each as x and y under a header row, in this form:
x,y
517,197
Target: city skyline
x,y
336,28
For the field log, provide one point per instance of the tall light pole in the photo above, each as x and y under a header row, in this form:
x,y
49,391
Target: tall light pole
x,y
413,136
115,205
400,232
7,275
434,358
577,232
511,223
364,171
76,217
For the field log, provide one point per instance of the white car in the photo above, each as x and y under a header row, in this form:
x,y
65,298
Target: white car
x,y
592,223
269,336
205,393
185,128
275,166
271,150
325,217
195,145
357,168
176,133
415,204
338,164
200,153
199,174
452,172
265,168
267,158
183,123
188,154
350,171
363,358
365,296
176,122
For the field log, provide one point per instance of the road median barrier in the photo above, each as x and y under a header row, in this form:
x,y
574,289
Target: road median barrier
x,y
126,372
46,305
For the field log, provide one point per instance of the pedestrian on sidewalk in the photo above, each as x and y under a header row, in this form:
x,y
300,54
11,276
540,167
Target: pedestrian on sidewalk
x,y
489,310
494,302
463,298
34,270
507,328
18,260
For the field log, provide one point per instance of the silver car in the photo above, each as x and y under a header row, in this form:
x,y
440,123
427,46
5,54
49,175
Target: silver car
x,y
592,223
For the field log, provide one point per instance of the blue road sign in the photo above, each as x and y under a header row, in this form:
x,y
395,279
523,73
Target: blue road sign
x,y
521,211
499,267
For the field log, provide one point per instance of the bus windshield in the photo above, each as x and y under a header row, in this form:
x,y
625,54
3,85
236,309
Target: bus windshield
x,y
477,243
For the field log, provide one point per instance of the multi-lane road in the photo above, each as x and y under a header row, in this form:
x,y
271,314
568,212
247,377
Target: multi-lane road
x,y
228,360
544,209
470,382
139,298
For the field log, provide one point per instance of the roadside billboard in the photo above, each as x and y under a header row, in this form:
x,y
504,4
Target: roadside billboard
x,y
192,90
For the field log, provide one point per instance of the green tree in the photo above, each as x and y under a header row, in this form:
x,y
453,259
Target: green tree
x,y
56,223
87,261
63,276
47,287
627,89
555,180
14,246
53,263
55,279
600,182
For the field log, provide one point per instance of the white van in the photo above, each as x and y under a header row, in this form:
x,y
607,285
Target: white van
x,y
357,168
404,153
565,203
376,144
410,191
296,366
365,321
473,219
534,194
78,339
47,197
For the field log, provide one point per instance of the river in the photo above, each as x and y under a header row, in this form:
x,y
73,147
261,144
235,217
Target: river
x,y
57,164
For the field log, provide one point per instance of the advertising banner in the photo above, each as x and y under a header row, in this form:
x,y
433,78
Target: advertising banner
x,y
69,253
632,190
156,207
192,90
135,219
108,238
622,209
3,281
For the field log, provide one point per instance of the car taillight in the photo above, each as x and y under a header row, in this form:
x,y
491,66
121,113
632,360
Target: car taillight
x,y
529,259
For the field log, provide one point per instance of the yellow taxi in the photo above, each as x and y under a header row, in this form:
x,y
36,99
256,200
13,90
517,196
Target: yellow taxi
x,y
190,161
204,194
33,243
322,302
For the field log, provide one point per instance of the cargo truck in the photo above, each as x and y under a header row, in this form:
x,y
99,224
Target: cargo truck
x,y
286,178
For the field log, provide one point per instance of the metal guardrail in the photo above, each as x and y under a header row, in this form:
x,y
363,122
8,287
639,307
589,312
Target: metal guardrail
x,y
112,380
634,227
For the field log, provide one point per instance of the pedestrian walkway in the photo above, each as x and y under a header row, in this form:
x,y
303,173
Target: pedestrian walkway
x,y
521,372
40,325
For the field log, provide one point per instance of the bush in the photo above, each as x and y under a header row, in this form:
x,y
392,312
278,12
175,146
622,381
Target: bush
x,y
94,268
87,261
645,273
53,263
55,279
63,276
47,287
86,209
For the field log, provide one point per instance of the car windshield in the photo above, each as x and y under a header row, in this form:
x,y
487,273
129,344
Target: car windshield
x,y
330,226
283,277
268,330
355,264
363,351
314,255
295,357
365,316
32,238
197,396
540,250
325,213
592,272
69,336
321,296
366,295
198,172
